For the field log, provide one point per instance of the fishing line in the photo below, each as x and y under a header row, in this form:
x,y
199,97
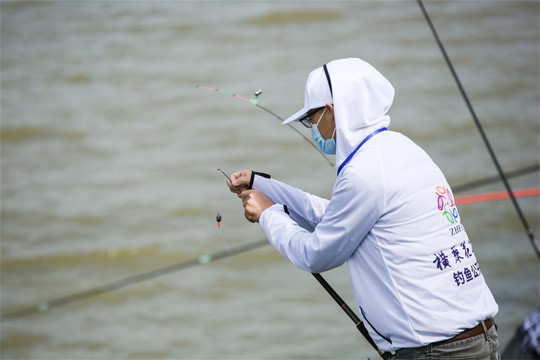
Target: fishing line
x,y
221,234
502,175
255,102
219,218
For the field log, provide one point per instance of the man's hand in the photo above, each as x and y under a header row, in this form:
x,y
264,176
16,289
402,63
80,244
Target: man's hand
x,y
239,181
255,202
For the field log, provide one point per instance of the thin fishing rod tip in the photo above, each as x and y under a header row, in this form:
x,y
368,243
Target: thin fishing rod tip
x,y
227,176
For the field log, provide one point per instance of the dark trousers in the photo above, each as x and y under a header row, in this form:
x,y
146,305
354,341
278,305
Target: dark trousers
x,y
480,347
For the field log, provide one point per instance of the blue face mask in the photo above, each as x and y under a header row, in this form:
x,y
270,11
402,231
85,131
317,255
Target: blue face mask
x,y
327,146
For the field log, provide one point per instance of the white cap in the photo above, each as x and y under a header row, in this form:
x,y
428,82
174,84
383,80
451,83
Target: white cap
x,y
317,94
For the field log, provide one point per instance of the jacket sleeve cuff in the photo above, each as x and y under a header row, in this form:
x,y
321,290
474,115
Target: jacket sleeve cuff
x,y
253,173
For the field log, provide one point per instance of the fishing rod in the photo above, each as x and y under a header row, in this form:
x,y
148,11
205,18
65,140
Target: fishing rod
x,y
502,175
255,102
352,315
495,179
98,290
201,260
357,321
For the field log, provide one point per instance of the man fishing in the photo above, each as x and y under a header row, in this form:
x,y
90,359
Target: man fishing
x,y
392,218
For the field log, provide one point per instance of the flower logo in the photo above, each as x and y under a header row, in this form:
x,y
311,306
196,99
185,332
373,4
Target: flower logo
x,y
446,204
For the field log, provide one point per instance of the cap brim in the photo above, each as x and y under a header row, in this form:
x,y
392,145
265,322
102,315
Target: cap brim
x,y
297,116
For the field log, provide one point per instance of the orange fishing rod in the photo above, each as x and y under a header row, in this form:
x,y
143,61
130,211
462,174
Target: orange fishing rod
x,y
498,195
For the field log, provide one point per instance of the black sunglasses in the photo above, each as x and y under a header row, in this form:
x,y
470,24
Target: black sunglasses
x,y
306,120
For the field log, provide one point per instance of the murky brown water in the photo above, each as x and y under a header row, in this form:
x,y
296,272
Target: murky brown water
x,y
109,155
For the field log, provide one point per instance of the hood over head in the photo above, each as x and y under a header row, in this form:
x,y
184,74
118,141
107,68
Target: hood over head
x,y
361,96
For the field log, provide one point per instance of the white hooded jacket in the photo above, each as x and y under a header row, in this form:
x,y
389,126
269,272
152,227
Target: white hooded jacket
x,y
392,218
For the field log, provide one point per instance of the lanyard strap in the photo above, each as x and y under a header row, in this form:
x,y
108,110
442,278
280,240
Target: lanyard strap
x,y
328,79
359,146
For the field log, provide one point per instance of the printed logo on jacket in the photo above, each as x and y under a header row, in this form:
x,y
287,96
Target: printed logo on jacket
x,y
453,259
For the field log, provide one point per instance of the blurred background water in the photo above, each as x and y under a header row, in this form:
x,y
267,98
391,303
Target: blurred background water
x,y
109,155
